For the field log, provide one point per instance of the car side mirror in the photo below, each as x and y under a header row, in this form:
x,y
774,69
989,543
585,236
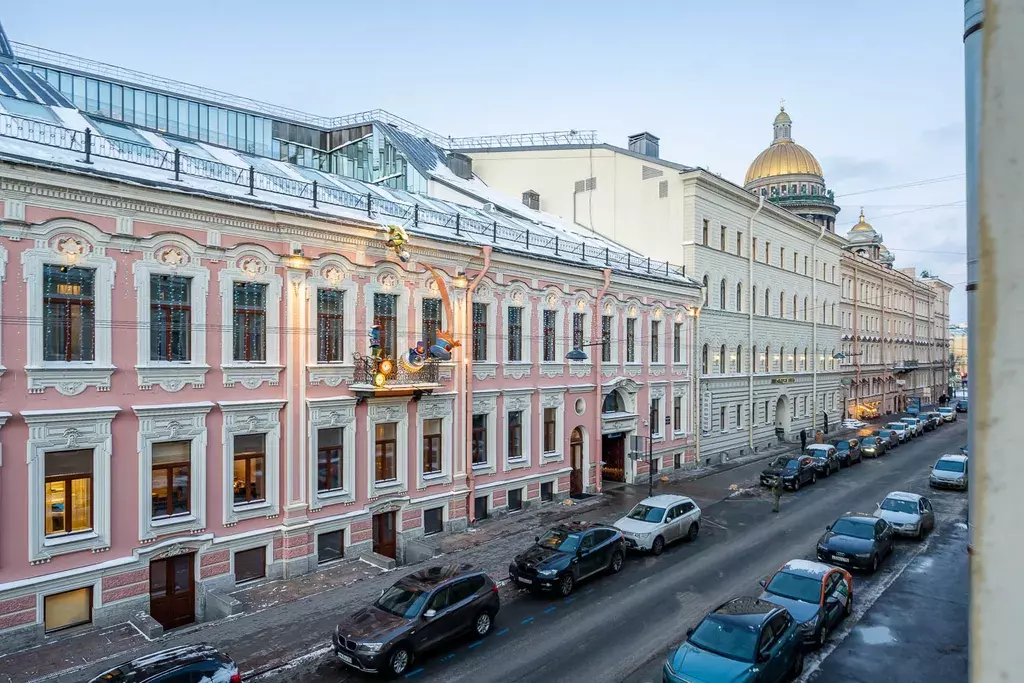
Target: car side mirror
x,y
828,528
536,539
382,592
689,632
430,614
878,505
763,656
764,584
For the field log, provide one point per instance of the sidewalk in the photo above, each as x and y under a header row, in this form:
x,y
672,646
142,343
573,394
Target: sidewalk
x,y
917,630
289,618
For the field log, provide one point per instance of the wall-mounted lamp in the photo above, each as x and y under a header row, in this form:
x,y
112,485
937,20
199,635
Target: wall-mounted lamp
x,y
460,280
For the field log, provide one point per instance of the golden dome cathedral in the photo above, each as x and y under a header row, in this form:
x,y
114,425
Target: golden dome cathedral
x,y
783,156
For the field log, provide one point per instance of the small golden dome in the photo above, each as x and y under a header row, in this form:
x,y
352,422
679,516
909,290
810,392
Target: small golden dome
x,y
862,225
784,157
782,117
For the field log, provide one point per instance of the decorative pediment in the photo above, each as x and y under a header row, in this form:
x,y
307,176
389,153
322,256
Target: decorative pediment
x,y
626,384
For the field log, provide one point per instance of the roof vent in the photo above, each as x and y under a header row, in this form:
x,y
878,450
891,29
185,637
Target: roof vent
x,y
645,144
532,200
461,165
489,207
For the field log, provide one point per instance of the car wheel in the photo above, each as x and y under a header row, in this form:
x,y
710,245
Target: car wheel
x,y
823,636
920,532
483,623
874,563
814,477
615,566
399,660
848,610
566,585
796,485
658,546
828,472
691,536
798,665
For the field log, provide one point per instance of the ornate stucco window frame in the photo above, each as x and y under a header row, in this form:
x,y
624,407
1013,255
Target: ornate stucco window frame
x,y
252,417
515,400
681,390
381,411
517,295
327,413
485,369
443,408
633,312
553,397
486,403
552,301
251,264
163,423
658,391
172,258
61,430
332,273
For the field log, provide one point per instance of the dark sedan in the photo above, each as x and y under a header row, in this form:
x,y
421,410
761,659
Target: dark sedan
x,y
826,458
873,446
817,595
420,612
961,406
891,437
792,471
856,540
567,554
848,451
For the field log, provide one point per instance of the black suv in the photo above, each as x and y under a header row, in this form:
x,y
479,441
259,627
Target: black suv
x,y
791,470
178,665
566,554
421,612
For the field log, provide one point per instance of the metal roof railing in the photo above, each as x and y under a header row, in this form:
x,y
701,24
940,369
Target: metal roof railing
x,y
504,232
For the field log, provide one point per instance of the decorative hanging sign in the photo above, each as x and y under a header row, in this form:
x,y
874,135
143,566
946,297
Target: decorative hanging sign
x,y
397,238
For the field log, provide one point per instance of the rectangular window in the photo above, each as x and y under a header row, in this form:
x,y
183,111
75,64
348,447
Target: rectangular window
x,y
171,478
250,322
479,331
550,423
677,343
433,521
577,330
739,244
515,499
721,419
606,339
656,416
330,546
385,314
170,318
515,435
432,446
722,238
68,491
64,610
706,228
250,564
655,341
739,416
547,491
549,336
479,439
385,451
480,507
250,459
432,321
631,340
330,326
330,458
515,333
69,313
767,252
677,413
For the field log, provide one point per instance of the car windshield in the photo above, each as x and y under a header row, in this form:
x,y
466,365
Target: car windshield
x,y
898,505
816,452
846,527
949,466
402,601
796,587
945,410
646,513
558,539
784,462
869,441
842,445
897,426
725,639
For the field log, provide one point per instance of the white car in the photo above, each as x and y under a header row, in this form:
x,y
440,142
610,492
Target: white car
x,y
901,429
657,521
909,514
948,414
853,424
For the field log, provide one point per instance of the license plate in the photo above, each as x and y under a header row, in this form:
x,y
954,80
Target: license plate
x,y
526,581
840,559
345,658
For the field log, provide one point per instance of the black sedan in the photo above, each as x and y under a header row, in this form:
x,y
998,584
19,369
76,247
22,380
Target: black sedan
x,y
873,446
565,555
792,471
848,451
817,595
856,540
961,406
890,437
826,458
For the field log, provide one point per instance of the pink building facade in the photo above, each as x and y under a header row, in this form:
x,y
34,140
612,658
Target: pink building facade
x,y
184,406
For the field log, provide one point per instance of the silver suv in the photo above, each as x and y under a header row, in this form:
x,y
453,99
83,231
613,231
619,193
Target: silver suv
x,y
951,472
915,425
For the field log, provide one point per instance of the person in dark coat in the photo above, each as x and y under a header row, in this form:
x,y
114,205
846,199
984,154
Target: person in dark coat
x,y
803,439
776,495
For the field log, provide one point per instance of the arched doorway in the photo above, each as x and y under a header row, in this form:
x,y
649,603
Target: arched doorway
x,y
782,417
613,445
576,460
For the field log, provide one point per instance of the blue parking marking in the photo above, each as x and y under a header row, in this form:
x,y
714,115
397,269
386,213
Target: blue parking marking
x,y
527,620
417,672
549,610
568,600
501,632
447,657
589,591
477,643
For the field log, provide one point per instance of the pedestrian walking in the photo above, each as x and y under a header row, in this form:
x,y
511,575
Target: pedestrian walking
x,y
776,495
803,439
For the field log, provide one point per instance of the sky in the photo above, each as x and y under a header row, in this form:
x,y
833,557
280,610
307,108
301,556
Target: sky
x,y
874,87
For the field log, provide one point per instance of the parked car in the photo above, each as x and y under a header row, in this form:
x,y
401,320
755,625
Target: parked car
x,y
914,425
745,640
874,446
186,663
909,514
793,471
929,420
856,540
948,413
816,595
657,521
936,416
961,406
963,450
951,472
419,613
889,436
848,450
902,430
851,423
567,554
826,458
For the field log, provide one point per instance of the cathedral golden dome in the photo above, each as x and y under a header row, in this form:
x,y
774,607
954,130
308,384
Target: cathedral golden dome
x,y
783,157
862,225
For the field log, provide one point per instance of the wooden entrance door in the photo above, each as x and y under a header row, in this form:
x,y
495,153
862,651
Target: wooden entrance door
x,y
385,535
576,460
172,590
613,452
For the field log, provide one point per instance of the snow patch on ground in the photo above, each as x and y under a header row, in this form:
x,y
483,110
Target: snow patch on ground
x,y
875,635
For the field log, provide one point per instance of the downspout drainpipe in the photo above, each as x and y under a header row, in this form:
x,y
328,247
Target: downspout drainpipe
x,y
596,437
750,322
467,350
814,333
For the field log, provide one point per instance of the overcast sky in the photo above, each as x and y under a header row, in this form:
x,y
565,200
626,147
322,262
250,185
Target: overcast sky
x,y
875,87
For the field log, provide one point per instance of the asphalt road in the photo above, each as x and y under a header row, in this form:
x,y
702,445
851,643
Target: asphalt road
x,y
620,628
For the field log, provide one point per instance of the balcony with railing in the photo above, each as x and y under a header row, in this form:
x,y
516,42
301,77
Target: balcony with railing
x,y
390,377
784,199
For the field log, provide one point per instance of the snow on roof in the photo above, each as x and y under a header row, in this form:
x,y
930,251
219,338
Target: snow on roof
x,y
807,567
664,500
956,457
903,495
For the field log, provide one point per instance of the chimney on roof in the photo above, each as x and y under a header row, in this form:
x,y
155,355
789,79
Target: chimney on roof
x,y
461,165
645,144
532,200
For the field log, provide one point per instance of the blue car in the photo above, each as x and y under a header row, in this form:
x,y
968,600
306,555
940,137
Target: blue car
x,y
745,640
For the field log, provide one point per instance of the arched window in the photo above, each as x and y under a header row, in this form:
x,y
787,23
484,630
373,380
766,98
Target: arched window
x,y
794,361
707,291
832,359
704,360
767,301
767,358
739,296
722,361
823,314
805,309
782,304
613,403
753,359
833,313
803,366
794,307
721,295
739,358
753,298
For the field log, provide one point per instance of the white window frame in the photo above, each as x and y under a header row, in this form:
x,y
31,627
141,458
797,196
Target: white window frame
x,y
62,430
252,417
163,423
388,410
610,308
553,397
484,369
441,408
176,259
486,403
332,274
69,378
250,265
582,368
327,413
658,316
517,295
345,527
513,401
388,280
444,518
633,313
657,393
553,301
